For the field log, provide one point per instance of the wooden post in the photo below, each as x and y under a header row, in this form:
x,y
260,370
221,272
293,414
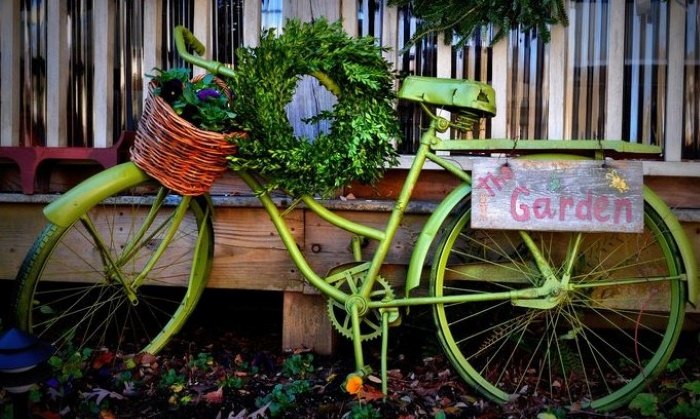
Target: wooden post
x,y
9,84
252,21
152,46
556,82
673,129
305,323
103,50
500,85
202,30
56,74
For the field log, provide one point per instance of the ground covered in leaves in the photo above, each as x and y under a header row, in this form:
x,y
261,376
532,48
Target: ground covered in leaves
x,y
234,368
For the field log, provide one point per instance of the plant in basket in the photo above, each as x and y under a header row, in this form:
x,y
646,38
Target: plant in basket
x,y
187,131
203,101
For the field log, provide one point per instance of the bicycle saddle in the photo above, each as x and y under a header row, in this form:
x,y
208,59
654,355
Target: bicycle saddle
x,y
451,93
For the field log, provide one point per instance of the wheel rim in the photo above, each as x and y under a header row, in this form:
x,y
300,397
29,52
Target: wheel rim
x,y
565,352
77,297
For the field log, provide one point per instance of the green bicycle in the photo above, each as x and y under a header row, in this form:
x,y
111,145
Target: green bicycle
x,y
587,318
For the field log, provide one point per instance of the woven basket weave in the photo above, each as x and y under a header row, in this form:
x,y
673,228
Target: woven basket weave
x,y
181,156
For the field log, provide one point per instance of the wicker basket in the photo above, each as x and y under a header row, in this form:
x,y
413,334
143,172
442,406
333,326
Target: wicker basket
x,y
181,156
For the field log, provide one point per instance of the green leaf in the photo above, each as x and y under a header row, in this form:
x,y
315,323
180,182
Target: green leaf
x,y
645,403
693,387
675,364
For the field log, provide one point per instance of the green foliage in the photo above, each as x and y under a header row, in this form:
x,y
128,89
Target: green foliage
x,y
69,365
298,366
6,409
232,381
460,19
364,411
202,102
646,403
686,399
172,379
675,364
363,122
202,362
552,413
283,396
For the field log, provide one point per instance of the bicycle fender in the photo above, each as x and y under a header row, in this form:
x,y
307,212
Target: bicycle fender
x,y
429,233
65,210
685,248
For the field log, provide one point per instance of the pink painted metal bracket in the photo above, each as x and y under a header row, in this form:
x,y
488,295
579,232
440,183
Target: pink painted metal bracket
x,y
29,159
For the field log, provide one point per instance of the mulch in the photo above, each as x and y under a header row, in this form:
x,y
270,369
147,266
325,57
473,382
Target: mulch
x,y
234,368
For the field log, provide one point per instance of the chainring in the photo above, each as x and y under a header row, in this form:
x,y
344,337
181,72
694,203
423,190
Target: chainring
x,y
371,323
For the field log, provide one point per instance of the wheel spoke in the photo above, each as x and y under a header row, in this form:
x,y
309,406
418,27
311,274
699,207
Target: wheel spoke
x,y
72,294
593,342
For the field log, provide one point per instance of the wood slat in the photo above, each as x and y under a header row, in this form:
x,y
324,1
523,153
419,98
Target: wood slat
x,y
9,68
56,74
249,253
673,140
103,50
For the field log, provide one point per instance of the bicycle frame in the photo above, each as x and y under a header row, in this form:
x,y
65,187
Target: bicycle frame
x,y
529,293
76,201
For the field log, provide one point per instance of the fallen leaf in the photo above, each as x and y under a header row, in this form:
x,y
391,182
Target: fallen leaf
x,y
370,393
103,359
214,397
374,379
49,415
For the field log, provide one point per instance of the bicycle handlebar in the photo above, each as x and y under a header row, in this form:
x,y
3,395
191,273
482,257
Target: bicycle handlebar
x,y
183,39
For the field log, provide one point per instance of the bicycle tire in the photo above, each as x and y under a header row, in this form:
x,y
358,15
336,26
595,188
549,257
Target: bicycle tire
x,y
596,349
66,292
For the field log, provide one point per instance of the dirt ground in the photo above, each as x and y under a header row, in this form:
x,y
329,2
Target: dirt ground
x,y
234,368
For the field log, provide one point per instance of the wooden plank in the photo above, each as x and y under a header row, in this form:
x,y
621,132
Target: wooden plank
x,y
307,10
305,323
557,76
569,79
676,192
500,85
152,45
20,225
310,98
9,68
348,13
615,71
673,140
390,33
56,74
251,22
550,195
249,253
444,69
103,82
202,30
327,246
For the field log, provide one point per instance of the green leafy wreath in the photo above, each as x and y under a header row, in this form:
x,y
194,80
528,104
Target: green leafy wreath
x,y
363,122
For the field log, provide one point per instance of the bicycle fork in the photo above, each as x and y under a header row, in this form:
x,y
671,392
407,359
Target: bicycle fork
x,y
113,264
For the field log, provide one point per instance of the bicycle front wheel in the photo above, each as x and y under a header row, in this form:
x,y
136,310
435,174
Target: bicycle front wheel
x,y
106,282
610,333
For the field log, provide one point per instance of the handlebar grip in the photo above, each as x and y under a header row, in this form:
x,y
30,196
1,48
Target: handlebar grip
x,y
185,38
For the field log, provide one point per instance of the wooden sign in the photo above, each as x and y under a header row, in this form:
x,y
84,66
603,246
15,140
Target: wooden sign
x,y
558,195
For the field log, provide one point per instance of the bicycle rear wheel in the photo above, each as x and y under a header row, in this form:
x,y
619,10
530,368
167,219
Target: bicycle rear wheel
x,y
596,348
78,288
